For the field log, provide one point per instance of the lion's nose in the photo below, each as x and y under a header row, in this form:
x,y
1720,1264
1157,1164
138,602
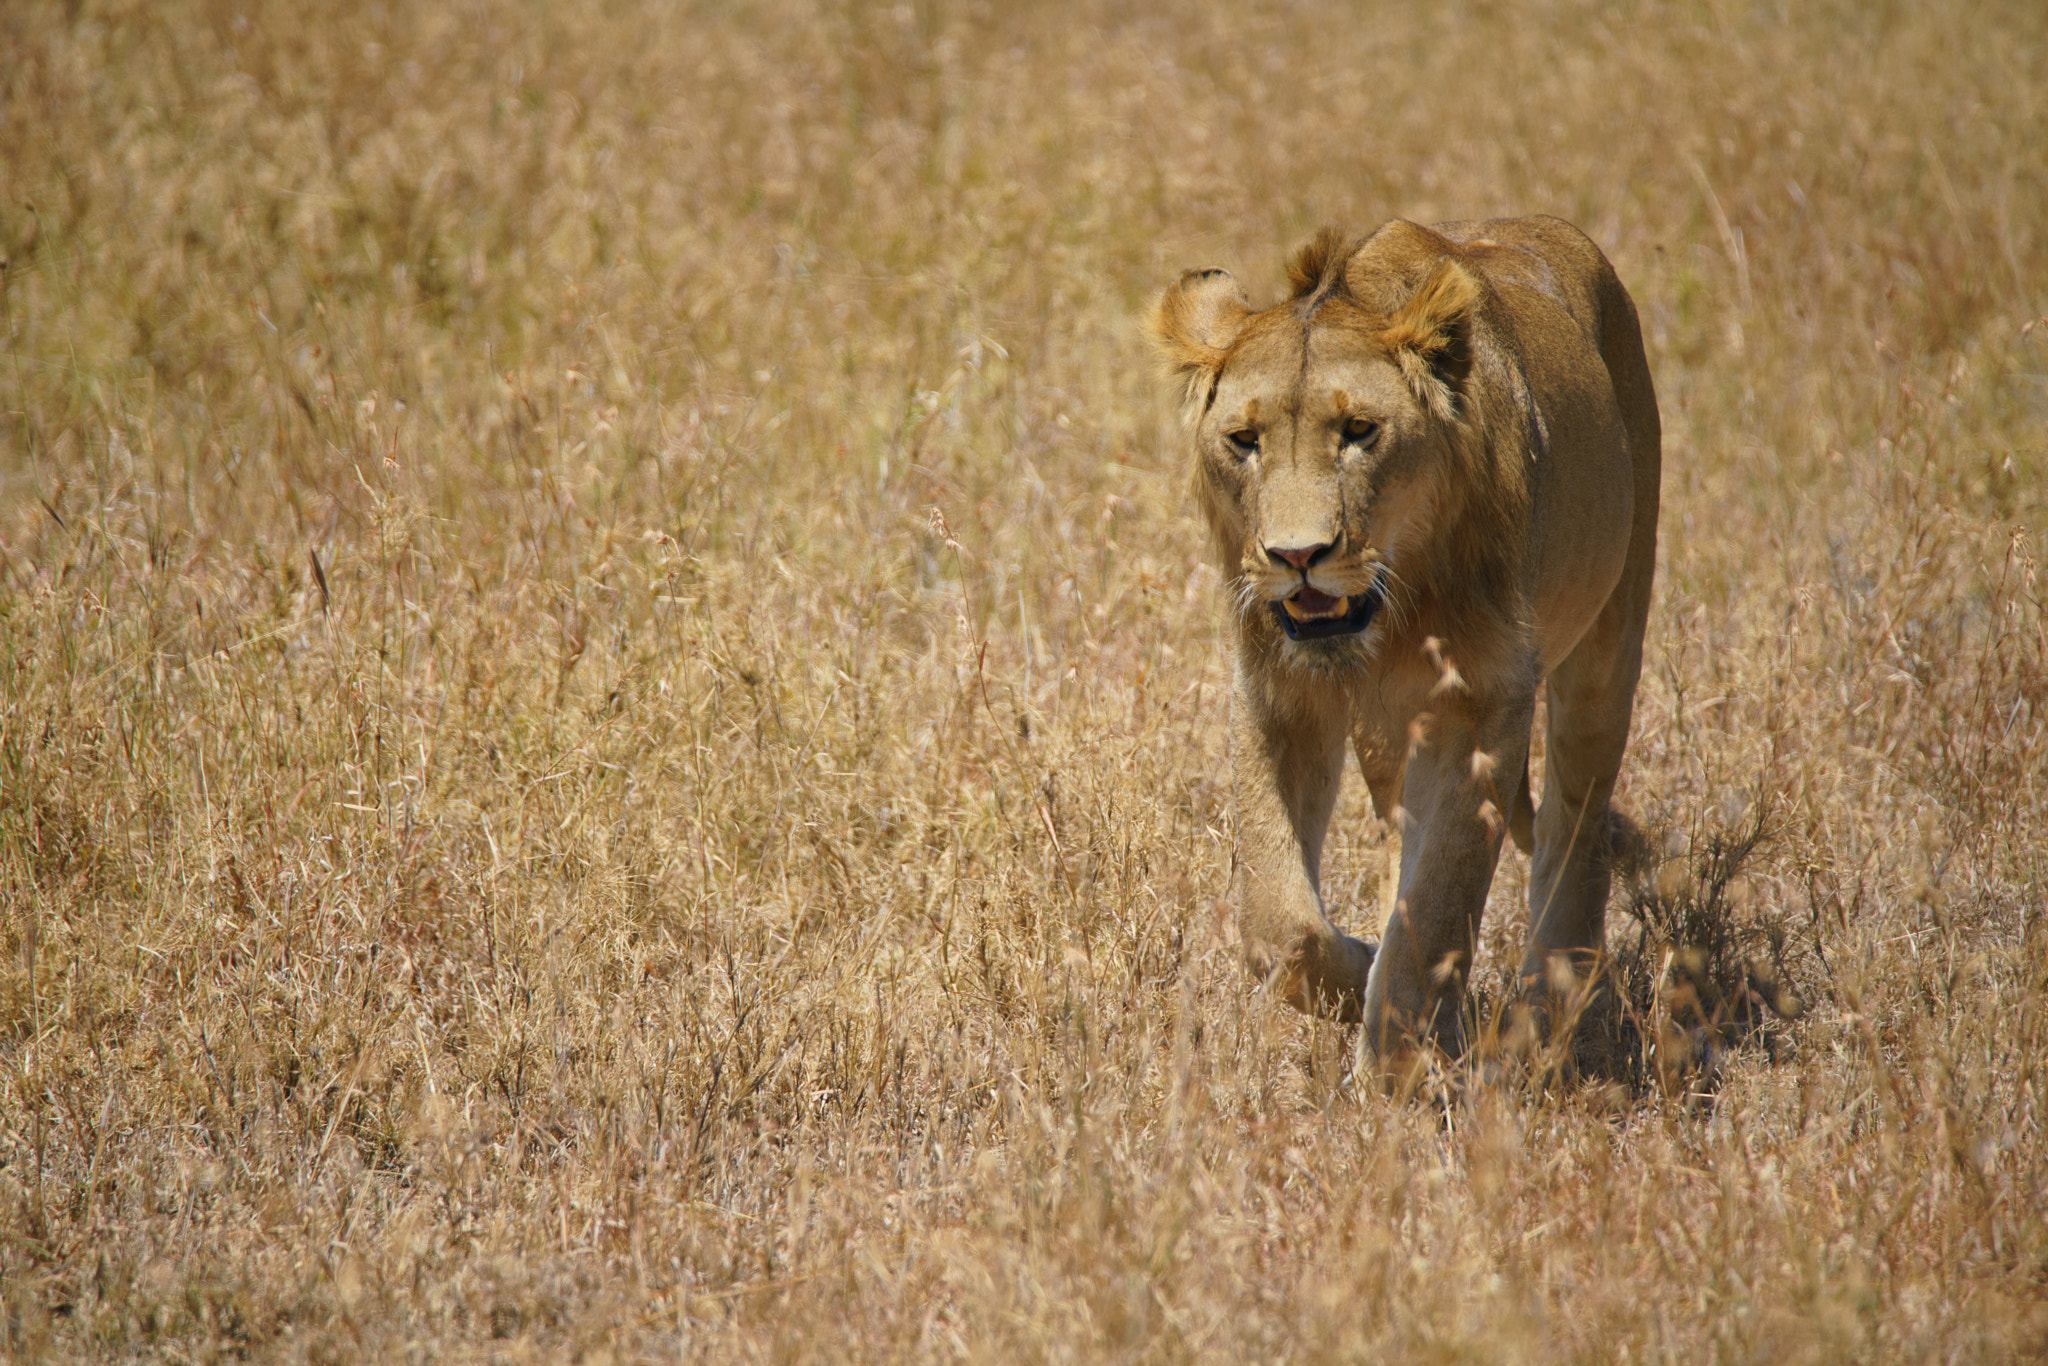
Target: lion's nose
x,y
1300,557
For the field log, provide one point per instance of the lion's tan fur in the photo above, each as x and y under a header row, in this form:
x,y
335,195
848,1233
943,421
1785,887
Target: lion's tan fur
x,y
1457,422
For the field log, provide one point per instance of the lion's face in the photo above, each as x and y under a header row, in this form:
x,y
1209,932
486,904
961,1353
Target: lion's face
x,y
1316,458
1323,429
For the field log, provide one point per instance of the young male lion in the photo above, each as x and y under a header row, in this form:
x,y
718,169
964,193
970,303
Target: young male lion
x,y
1431,478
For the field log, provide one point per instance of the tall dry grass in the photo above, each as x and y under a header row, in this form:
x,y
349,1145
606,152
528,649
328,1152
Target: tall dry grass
x,y
611,735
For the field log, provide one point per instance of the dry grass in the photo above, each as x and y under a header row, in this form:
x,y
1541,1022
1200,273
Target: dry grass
x,y
611,724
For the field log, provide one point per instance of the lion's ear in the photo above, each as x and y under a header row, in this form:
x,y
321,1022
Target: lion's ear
x,y
1431,337
1196,323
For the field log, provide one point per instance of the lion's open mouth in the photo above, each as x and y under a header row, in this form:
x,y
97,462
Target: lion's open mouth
x,y
1313,615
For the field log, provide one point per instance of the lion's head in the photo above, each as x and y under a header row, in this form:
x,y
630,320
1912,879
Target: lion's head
x,y
1338,443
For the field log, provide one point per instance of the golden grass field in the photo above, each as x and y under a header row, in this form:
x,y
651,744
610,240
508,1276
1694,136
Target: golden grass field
x,y
611,733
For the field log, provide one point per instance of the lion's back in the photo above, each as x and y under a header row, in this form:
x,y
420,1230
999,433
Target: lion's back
x,y
1547,255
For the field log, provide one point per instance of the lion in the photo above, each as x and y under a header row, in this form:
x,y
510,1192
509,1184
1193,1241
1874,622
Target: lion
x,y
1430,476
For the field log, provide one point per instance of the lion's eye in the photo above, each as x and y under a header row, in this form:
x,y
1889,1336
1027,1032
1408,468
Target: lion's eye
x,y
1361,431
1246,439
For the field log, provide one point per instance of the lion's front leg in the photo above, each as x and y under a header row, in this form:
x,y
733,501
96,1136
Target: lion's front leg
x,y
1456,801
1287,763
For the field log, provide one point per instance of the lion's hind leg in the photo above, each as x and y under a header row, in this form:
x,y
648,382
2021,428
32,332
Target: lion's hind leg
x,y
1588,700
1522,821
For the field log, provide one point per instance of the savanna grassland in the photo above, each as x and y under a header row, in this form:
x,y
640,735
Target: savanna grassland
x,y
611,717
